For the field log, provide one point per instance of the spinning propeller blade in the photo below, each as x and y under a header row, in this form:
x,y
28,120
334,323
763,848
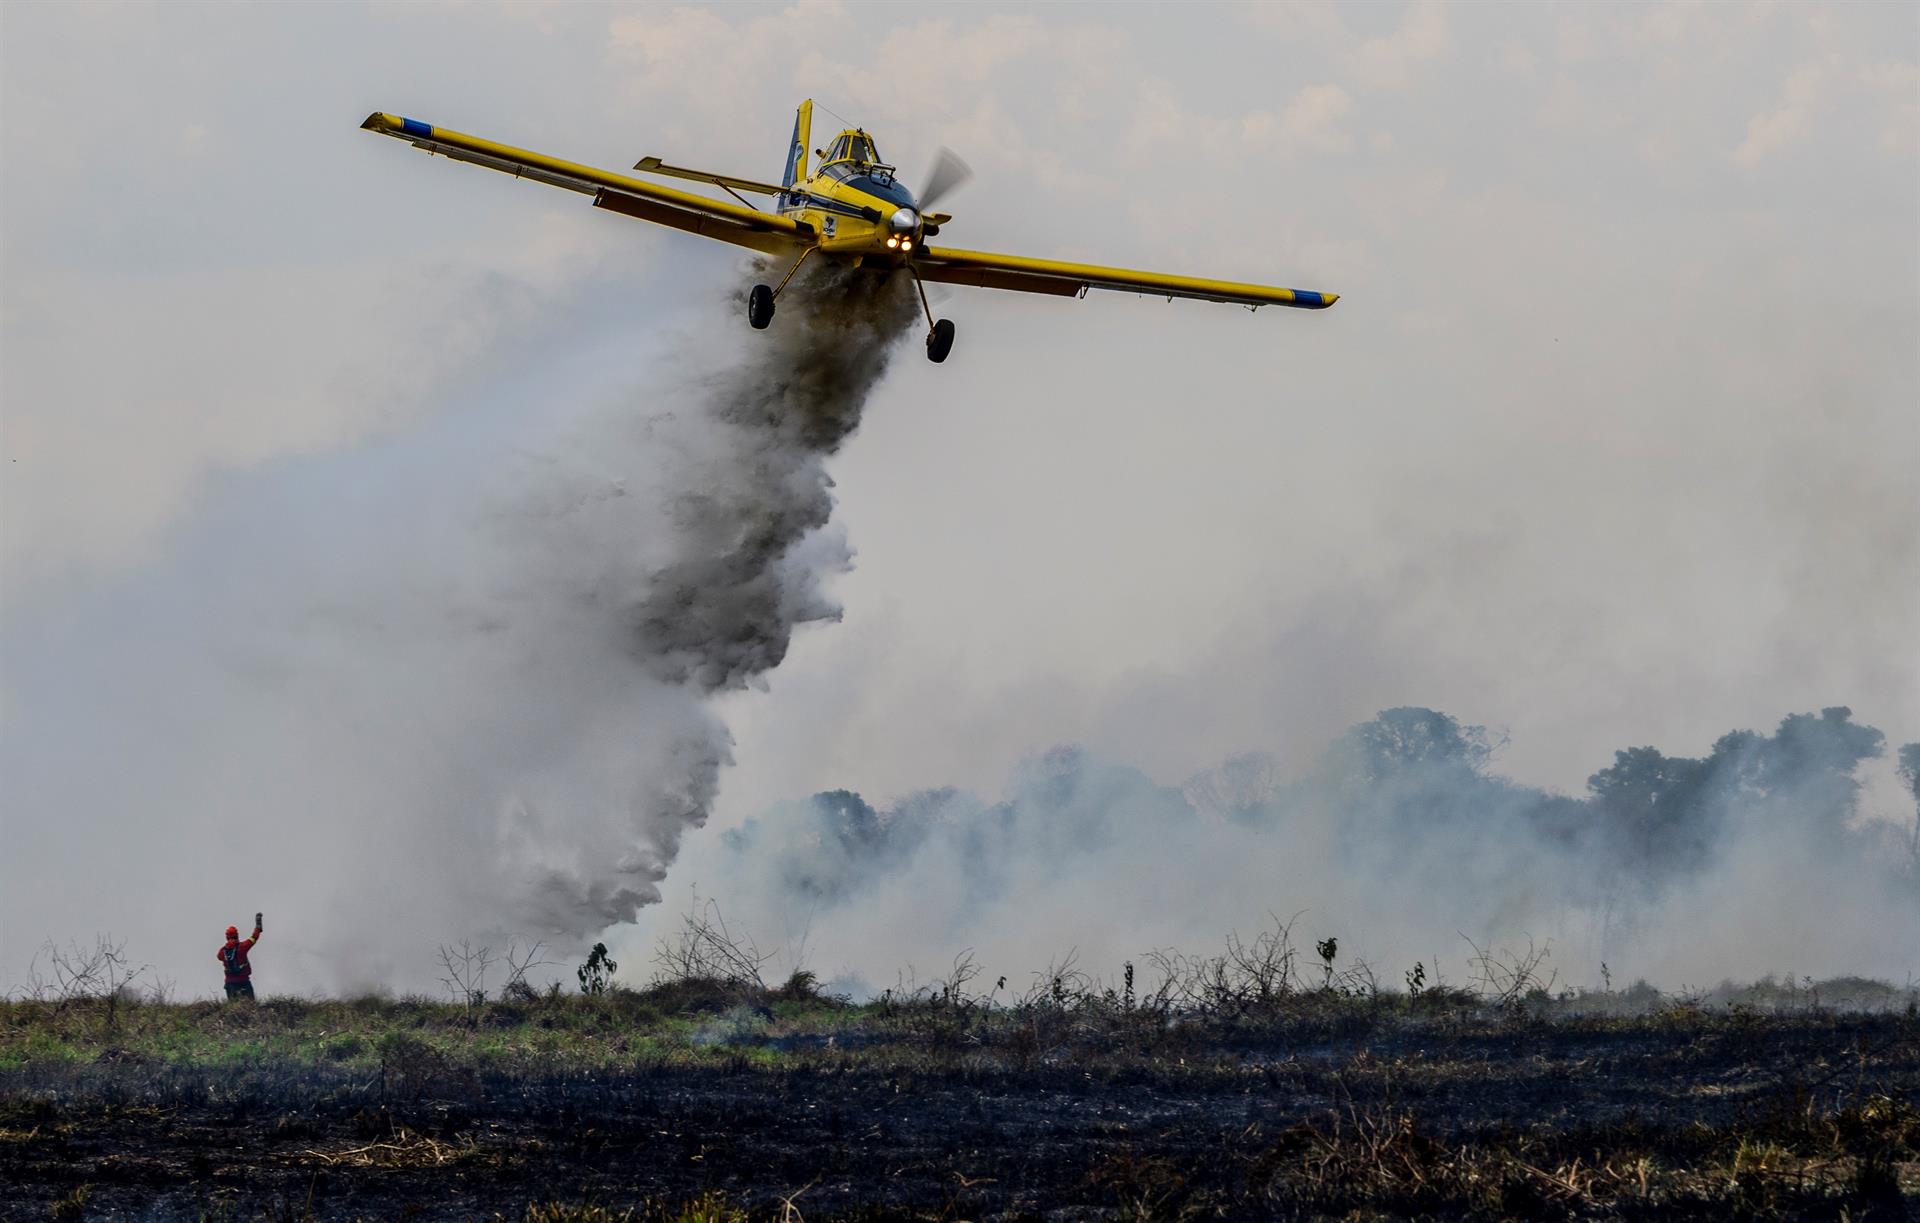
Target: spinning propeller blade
x,y
947,173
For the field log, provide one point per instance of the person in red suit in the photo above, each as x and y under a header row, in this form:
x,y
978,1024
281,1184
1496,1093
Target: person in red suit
x,y
233,958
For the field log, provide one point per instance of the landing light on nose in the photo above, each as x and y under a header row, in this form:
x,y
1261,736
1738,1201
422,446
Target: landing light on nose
x,y
903,221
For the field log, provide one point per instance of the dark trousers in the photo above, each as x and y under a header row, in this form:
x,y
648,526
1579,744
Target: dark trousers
x,y
239,989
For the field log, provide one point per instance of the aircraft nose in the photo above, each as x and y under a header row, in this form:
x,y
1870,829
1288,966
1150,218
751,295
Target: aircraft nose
x,y
903,221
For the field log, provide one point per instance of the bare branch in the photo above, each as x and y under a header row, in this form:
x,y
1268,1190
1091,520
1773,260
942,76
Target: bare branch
x,y
466,973
519,963
707,949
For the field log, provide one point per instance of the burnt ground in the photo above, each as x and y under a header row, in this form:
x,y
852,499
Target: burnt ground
x,y
1334,1109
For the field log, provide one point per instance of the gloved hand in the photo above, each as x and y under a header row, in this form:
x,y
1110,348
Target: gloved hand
x,y
256,922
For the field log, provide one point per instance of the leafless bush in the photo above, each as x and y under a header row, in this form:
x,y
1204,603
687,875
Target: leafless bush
x,y
942,1011
1060,986
1179,975
1045,1016
466,973
1508,978
76,975
1359,981
519,963
707,949
953,990
1249,975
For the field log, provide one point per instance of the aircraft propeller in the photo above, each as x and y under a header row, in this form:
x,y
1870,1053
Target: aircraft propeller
x,y
948,172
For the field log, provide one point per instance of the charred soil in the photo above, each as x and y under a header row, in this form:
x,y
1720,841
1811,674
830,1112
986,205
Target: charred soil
x,y
692,1102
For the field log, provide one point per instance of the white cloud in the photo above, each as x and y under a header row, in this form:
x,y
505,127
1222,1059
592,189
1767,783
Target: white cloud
x,y
1894,88
1789,120
1392,62
1310,121
1313,21
715,81
1518,58
1574,40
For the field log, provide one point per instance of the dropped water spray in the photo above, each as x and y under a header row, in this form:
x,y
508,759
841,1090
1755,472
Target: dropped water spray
x,y
451,684
725,611
746,508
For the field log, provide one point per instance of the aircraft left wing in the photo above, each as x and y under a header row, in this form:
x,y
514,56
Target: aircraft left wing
x,y
736,223
1024,275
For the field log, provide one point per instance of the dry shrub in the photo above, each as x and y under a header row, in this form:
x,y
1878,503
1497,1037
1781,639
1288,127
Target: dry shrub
x,y
77,977
1511,980
1247,978
411,1068
707,949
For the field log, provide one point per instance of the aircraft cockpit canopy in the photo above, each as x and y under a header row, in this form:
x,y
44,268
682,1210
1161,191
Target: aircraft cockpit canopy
x,y
855,147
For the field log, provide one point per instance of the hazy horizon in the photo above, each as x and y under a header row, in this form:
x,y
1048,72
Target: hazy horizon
x,y
315,447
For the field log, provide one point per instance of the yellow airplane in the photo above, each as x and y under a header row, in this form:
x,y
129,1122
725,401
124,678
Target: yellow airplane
x,y
852,208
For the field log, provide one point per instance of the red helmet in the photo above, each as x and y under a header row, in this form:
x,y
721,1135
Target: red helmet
x,y
233,932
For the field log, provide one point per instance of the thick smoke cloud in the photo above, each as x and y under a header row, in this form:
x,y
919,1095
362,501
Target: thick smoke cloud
x,y
1401,838
466,700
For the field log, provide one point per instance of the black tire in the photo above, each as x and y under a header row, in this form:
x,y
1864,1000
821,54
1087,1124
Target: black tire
x,y
760,307
940,342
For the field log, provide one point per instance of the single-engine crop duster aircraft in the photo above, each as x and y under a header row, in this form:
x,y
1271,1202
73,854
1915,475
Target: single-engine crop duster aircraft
x,y
852,207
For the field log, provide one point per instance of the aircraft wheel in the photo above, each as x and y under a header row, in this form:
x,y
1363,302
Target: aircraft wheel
x,y
760,307
940,342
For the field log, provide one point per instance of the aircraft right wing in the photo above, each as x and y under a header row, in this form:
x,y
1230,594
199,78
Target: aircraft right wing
x,y
1024,275
739,224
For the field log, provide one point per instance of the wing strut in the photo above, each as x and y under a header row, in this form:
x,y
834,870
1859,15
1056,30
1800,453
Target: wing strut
x,y
923,294
790,271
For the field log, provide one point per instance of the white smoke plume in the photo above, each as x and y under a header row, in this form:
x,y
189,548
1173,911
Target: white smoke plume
x,y
466,705
1402,841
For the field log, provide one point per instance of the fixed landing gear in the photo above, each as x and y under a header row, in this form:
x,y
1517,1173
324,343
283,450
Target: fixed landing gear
x,y
940,335
760,301
940,341
760,307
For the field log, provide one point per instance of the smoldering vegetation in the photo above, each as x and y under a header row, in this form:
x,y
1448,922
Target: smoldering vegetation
x,y
1273,1089
1403,838
1266,1079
